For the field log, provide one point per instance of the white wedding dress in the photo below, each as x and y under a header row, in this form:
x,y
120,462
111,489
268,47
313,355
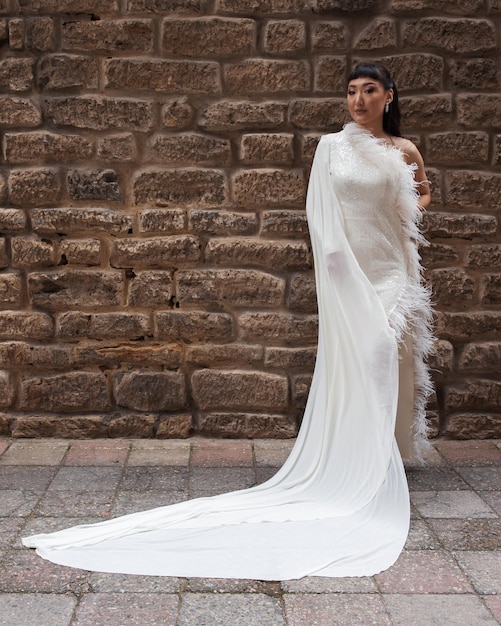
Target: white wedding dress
x,y
339,506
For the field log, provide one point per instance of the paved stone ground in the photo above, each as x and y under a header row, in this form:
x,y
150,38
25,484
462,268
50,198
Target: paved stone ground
x,y
449,573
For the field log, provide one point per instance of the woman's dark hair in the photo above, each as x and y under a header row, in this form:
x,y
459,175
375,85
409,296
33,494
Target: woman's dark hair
x,y
377,71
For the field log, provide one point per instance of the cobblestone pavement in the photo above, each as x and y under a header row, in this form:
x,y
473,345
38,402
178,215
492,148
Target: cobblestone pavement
x,y
449,573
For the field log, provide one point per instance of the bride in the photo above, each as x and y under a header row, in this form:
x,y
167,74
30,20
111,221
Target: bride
x,y
339,506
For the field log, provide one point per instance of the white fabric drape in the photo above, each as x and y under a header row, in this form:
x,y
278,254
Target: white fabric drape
x,y
339,505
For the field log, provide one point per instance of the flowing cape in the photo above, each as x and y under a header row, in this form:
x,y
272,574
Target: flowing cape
x,y
339,506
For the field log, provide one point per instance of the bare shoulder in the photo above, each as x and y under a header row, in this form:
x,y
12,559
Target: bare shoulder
x,y
410,151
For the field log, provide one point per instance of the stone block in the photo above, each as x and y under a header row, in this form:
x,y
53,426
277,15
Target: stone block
x,y
282,37
481,357
259,76
279,255
479,110
107,36
163,75
233,425
458,147
258,187
300,386
64,71
174,426
474,426
235,115
120,147
22,355
12,220
486,255
82,288
441,357
181,7
236,287
261,148
136,426
31,252
216,36
162,220
347,6
452,285
98,7
491,289
251,7
380,33
72,392
281,328
80,219
235,354
46,146
177,114
302,293
80,252
284,223
25,325
100,113
19,112
190,326
4,256
437,254
180,186
136,354
63,427
132,326
462,225
3,189
10,290
309,143
461,7
329,36
154,288
330,74
420,112
290,358
164,252
7,390
476,394
42,34
16,74
222,222
453,36
319,113
239,390
465,326
143,390
473,74
189,149
34,187
473,189
17,34
94,184
403,70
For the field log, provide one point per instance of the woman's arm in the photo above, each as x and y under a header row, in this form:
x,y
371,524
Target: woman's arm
x,y
412,155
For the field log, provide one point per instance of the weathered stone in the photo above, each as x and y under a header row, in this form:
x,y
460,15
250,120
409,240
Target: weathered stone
x,y
303,293
481,357
30,252
330,74
403,70
71,392
222,222
460,225
230,286
486,255
42,145
473,74
261,7
151,289
491,289
437,254
253,251
473,394
247,115
260,148
42,34
474,426
93,184
246,425
149,391
174,426
97,7
464,326
216,36
348,6
33,187
457,36
290,358
190,326
64,427
75,324
19,112
100,113
21,355
117,147
300,384
269,186
107,36
473,189
239,390
284,37
76,219
12,220
479,110
155,252
380,33
80,252
63,71
4,257
452,285
180,186
25,325
198,7
329,36
162,220
17,34
189,149
5,424
16,74
10,290
135,425
441,357
267,76
426,111
127,354
86,289
309,143
284,223
162,75
458,148
235,354
3,189
280,327
319,113
462,7
177,114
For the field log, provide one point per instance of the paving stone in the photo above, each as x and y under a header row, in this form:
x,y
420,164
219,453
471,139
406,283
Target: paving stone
x,y
17,502
472,452
323,584
453,610
128,583
3,446
231,610
39,525
431,458
75,504
133,609
27,609
151,478
86,478
346,609
482,478
423,571
434,478
9,528
468,534
34,453
97,453
272,452
421,537
151,452
221,453
231,585
455,504
264,473
493,603
493,499
482,569
206,481
26,477
131,501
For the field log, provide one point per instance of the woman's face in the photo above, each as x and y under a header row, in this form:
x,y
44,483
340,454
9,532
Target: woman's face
x,y
366,99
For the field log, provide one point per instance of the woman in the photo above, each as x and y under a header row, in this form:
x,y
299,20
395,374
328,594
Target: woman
x,y
339,506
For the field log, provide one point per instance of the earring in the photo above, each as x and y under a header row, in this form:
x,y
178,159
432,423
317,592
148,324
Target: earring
x,y
387,107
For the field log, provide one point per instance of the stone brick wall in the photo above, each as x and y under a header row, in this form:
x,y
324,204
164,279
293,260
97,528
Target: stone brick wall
x,y
156,274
